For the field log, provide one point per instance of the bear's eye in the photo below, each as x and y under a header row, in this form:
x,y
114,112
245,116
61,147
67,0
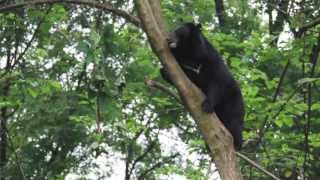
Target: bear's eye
x,y
182,33
181,36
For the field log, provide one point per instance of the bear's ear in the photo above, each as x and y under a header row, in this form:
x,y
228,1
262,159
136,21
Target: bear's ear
x,y
199,26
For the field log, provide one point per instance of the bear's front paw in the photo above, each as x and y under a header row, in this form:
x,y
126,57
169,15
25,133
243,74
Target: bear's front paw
x,y
207,106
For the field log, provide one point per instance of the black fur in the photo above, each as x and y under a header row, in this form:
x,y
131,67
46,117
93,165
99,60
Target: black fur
x,y
204,66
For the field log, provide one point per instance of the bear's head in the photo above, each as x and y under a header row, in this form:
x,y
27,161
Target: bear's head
x,y
186,39
184,35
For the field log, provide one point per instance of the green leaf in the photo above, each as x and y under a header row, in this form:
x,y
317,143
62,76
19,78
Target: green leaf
x,y
307,80
84,46
33,92
85,120
5,104
301,107
279,122
315,106
287,174
288,121
95,37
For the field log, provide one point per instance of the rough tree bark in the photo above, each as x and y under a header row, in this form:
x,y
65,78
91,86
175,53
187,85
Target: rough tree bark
x,y
216,136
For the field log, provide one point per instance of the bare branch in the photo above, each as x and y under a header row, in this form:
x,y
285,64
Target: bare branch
x,y
254,164
274,98
283,74
266,125
33,36
309,25
130,154
157,165
103,6
155,84
143,155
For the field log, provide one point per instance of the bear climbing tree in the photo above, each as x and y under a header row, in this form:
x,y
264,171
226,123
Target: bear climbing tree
x,y
217,137
205,68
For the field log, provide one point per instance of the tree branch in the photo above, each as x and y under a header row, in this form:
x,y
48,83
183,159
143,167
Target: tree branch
x,y
274,98
139,158
28,44
215,134
158,164
254,164
103,6
313,60
155,84
266,125
309,25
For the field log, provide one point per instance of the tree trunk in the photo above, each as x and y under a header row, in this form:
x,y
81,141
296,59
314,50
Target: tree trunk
x,y
3,134
216,136
3,146
276,27
220,12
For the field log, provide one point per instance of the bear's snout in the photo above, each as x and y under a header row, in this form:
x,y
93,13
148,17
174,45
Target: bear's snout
x,y
172,40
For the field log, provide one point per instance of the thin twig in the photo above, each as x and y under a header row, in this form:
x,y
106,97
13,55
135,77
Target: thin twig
x,y
157,165
163,88
143,155
28,44
267,125
254,164
128,169
284,72
33,36
262,129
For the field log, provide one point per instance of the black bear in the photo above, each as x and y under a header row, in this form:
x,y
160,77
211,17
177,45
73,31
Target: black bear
x,y
204,67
